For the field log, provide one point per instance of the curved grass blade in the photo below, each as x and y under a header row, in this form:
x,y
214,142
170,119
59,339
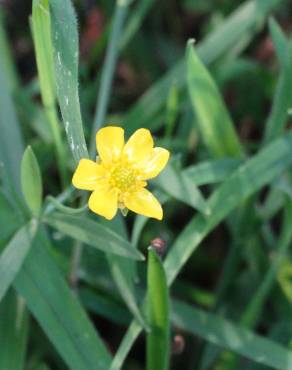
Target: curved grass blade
x,y
58,312
13,332
13,256
93,234
64,209
213,119
64,25
246,180
158,339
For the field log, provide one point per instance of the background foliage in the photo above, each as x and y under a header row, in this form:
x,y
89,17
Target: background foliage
x,y
213,82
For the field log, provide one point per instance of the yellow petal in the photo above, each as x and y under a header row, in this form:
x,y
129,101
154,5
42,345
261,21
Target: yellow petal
x,y
110,143
139,146
144,203
154,164
87,175
104,202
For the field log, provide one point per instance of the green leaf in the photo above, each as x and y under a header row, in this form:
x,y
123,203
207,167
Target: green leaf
x,y
14,254
31,181
246,180
213,119
58,312
64,25
280,41
108,69
128,340
158,339
223,333
10,158
212,171
41,30
93,234
282,99
68,210
246,19
13,332
175,183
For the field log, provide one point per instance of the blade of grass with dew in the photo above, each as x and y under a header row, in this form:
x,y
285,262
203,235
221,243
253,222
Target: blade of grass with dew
x,y
225,334
93,234
213,119
243,182
175,183
280,41
41,31
282,100
158,339
10,133
64,25
135,20
14,254
246,18
13,332
109,68
58,311
31,181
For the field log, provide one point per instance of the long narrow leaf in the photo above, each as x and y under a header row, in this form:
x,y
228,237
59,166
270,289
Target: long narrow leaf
x,y
93,234
58,312
158,339
66,53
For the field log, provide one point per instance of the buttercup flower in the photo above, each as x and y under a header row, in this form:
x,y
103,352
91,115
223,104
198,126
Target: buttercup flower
x,y
118,178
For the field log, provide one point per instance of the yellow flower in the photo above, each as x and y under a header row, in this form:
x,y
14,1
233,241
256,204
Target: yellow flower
x,y
118,177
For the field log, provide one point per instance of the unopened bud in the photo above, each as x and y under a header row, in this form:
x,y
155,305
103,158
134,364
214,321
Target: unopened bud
x,y
159,245
178,344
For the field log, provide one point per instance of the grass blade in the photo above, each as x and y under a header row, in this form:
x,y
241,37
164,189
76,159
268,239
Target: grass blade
x,y
31,181
128,340
10,133
58,312
280,41
237,25
63,23
108,68
225,334
175,183
282,99
41,30
13,332
13,256
213,119
158,339
246,180
93,234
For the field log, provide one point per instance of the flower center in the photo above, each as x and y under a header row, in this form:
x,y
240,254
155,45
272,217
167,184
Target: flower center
x,y
123,178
